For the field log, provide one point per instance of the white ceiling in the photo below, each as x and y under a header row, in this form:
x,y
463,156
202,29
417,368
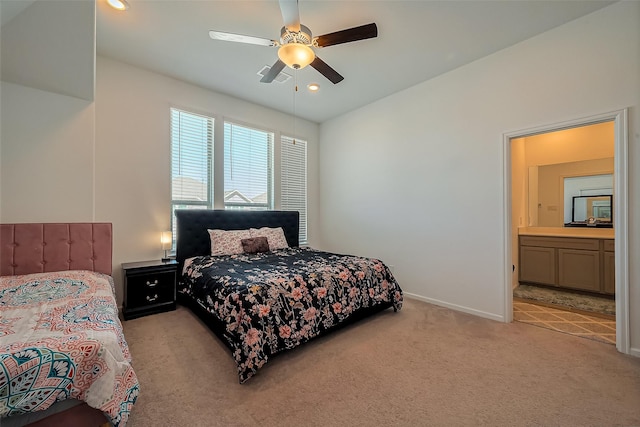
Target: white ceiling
x,y
417,40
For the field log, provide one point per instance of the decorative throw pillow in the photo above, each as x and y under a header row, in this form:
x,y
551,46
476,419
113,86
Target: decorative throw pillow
x,y
275,237
227,242
255,245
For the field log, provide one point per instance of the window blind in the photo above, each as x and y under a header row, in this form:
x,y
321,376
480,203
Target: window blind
x,y
294,180
191,162
248,168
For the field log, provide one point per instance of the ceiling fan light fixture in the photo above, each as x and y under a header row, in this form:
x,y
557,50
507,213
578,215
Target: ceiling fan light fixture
x,y
118,4
296,55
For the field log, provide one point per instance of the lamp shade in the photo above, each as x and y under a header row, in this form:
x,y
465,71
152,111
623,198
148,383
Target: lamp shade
x,y
166,238
296,55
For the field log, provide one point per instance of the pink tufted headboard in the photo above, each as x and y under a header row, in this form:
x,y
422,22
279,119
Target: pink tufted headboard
x,y
45,247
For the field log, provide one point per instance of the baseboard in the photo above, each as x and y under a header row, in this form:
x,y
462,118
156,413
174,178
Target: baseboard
x,y
456,307
634,352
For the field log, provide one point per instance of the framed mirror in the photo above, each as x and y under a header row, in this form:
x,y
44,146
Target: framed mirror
x,y
595,211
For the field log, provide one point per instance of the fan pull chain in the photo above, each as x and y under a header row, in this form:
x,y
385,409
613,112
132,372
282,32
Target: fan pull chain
x,y
294,106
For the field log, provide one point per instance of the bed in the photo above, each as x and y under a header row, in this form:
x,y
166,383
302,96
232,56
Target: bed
x,y
262,303
63,356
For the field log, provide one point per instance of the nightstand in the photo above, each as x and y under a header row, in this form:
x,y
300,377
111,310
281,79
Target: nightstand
x,y
149,287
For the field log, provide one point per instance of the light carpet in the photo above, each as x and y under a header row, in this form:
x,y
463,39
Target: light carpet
x,y
423,366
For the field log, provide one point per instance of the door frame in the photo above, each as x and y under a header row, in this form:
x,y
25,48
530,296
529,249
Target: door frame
x,y
620,214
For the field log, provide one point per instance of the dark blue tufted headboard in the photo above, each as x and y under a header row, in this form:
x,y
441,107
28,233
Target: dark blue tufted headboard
x,y
192,225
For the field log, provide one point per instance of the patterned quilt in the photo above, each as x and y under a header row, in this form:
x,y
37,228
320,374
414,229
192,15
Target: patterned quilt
x,y
60,338
277,300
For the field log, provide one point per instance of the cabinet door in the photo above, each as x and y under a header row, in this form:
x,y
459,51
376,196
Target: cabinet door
x,y
610,272
579,269
538,265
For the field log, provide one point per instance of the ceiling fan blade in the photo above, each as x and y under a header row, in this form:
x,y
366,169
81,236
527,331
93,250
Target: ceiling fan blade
x,y
362,32
230,37
326,70
273,72
290,14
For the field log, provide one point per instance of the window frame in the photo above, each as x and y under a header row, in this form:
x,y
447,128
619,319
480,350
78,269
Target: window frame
x,y
270,184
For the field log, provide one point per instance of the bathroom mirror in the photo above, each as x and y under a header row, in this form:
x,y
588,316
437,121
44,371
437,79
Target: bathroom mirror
x,y
592,211
551,189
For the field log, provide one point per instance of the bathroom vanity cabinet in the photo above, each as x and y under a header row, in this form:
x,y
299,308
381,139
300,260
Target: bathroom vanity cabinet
x,y
568,260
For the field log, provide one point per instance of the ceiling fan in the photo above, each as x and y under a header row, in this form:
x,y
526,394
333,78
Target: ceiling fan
x,y
296,43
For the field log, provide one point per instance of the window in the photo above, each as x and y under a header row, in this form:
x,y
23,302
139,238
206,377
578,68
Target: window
x,y
248,168
294,180
249,178
191,162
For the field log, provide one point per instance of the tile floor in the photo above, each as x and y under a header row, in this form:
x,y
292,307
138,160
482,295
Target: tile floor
x,y
596,328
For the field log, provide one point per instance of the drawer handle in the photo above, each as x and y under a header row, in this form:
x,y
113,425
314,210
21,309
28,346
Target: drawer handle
x,y
153,298
152,285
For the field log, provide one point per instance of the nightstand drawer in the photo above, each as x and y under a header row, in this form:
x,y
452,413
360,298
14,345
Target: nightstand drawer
x,y
150,289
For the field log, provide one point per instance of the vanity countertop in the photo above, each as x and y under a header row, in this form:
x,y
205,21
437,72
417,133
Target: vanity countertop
x,y
585,232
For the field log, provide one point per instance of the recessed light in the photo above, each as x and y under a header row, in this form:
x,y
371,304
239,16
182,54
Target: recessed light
x,y
118,4
313,87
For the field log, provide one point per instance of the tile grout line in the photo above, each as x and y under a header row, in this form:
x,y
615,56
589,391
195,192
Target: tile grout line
x,y
580,321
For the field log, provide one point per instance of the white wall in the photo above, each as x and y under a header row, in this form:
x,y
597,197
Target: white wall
x,y
133,189
417,178
46,171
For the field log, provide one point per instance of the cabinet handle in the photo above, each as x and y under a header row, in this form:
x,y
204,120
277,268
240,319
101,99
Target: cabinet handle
x,y
153,298
152,285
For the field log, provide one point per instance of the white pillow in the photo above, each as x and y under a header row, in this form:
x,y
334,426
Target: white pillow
x,y
275,237
227,242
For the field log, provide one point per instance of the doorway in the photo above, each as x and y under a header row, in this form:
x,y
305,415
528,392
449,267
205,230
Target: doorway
x,y
519,214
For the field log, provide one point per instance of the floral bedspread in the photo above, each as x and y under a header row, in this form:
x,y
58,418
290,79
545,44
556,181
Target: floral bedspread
x,y
60,338
277,300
